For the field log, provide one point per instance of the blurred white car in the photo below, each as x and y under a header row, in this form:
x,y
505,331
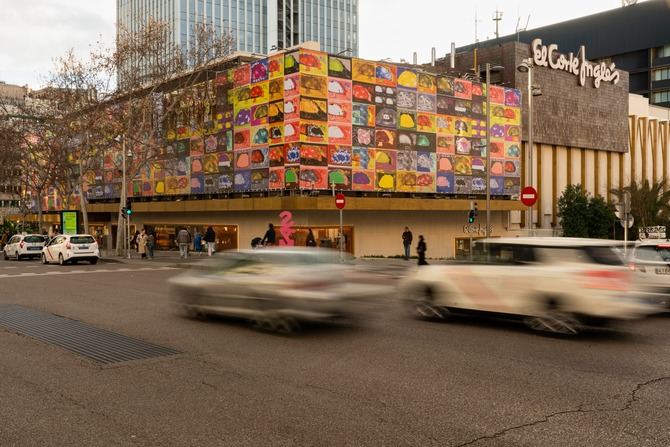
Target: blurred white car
x,y
650,262
71,248
24,246
558,285
274,288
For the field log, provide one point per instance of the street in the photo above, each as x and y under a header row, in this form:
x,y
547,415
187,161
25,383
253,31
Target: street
x,y
391,380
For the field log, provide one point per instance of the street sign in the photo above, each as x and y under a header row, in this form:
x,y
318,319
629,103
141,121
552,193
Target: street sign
x,y
630,221
657,232
340,201
528,196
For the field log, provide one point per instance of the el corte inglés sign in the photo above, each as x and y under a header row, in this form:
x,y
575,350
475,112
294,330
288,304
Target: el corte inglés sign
x,y
547,56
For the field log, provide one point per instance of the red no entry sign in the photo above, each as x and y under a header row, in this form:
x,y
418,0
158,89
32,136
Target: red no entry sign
x,y
528,196
340,201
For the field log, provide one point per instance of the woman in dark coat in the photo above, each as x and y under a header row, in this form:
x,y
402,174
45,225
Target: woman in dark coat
x,y
421,251
311,241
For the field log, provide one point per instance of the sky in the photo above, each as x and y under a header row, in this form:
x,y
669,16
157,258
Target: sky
x,y
35,32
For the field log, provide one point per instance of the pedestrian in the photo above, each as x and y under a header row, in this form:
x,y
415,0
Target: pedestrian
x,y
421,251
197,242
4,239
269,238
183,240
311,241
210,240
135,240
407,242
142,244
151,244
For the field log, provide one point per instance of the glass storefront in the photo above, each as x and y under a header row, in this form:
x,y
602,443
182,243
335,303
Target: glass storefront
x,y
226,235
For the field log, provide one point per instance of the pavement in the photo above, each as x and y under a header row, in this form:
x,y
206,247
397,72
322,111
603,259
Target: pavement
x,y
388,380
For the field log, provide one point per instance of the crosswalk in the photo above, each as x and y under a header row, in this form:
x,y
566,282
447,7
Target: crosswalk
x,y
54,272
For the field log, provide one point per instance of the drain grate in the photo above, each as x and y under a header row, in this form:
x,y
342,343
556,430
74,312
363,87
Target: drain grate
x,y
97,344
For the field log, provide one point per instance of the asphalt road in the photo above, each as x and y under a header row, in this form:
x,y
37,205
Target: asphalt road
x,y
390,381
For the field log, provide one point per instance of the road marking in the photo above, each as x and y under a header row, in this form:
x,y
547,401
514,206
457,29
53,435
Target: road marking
x,y
83,272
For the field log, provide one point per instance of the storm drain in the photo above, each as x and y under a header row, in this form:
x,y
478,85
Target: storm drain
x,y
96,344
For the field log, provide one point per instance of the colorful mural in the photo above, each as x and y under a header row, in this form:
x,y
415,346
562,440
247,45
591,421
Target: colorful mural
x,y
306,120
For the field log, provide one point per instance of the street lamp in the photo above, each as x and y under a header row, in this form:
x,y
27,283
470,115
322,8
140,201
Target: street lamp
x,y
124,193
526,66
489,69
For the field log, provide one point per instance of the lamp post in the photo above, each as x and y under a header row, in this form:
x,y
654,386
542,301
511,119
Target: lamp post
x,y
526,66
489,69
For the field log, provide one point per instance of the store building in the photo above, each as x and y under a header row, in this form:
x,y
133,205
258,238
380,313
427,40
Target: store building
x,y
283,138
636,38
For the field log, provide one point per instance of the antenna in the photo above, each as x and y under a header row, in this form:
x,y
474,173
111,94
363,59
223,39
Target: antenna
x,y
520,29
476,35
497,17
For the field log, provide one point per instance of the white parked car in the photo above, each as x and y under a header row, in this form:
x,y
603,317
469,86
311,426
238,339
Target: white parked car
x,y
558,285
71,248
650,262
24,246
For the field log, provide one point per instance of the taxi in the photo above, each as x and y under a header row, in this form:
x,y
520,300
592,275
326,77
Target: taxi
x,y
71,248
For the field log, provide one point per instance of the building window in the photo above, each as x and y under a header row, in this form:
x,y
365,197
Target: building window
x,y
661,97
661,74
663,51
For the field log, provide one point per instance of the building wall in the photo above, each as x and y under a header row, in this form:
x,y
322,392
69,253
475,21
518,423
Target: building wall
x,y
375,232
565,114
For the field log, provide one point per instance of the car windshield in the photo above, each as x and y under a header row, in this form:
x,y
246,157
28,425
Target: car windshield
x,y
658,253
82,240
604,255
34,239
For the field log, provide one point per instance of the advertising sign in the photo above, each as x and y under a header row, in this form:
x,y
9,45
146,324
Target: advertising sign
x,y
69,222
307,120
656,232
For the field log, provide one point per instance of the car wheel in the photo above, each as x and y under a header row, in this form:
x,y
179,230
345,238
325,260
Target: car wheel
x,y
4,255
44,259
273,322
17,256
554,322
425,307
61,261
93,261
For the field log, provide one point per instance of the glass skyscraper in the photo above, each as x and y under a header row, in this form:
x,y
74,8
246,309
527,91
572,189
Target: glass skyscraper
x,y
258,26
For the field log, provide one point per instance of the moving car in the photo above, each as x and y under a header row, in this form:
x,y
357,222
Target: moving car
x,y
24,246
274,288
650,262
71,248
559,285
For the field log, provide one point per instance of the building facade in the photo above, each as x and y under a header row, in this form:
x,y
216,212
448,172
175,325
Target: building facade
x,y
257,26
636,38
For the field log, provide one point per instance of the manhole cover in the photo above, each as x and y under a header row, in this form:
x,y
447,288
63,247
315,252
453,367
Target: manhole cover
x,y
97,344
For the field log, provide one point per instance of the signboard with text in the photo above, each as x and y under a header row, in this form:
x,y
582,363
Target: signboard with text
x,y
69,222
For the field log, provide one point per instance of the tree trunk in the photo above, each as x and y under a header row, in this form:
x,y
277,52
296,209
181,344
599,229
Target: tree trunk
x,y
84,209
40,217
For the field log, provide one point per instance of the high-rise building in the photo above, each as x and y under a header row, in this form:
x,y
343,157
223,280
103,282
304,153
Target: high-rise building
x,y
258,26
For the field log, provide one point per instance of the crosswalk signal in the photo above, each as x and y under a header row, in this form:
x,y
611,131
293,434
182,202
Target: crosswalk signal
x,y
129,207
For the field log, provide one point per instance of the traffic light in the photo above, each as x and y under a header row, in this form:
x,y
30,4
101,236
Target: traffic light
x,y
129,207
472,215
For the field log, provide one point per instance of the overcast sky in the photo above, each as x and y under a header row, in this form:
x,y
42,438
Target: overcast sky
x,y
34,32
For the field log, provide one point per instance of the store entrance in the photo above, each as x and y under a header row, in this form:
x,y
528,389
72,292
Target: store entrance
x,y
226,236
326,237
463,246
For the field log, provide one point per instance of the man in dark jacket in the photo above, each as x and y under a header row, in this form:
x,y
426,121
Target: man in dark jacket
x,y
210,239
269,238
421,251
407,241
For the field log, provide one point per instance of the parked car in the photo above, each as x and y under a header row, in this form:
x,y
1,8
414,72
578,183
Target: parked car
x,y
559,285
650,262
273,288
71,248
24,246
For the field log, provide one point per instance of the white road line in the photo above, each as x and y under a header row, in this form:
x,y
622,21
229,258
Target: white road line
x,y
81,272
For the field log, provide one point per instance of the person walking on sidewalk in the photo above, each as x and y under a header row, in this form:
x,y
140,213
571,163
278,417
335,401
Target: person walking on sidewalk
x,y
311,241
142,244
210,240
421,251
197,242
183,240
407,242
151,243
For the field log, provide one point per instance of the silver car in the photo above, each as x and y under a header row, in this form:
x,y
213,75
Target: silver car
x,y
274,288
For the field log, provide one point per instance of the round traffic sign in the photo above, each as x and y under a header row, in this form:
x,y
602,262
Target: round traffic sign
x,y
528,196
340,201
